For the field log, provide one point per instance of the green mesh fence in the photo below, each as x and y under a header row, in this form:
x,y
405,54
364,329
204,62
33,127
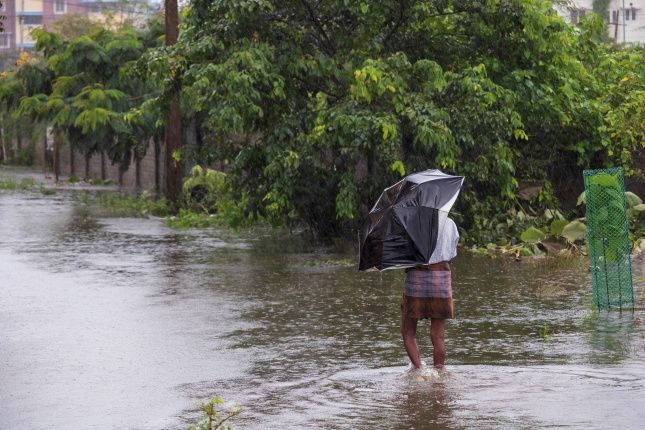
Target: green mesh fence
x,y
608,239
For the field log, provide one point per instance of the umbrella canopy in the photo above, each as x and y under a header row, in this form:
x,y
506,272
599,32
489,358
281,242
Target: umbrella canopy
x,y
402,228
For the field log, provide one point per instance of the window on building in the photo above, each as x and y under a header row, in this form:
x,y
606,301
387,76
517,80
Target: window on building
x,y
614,16
577,15
31,19
626,14
60,6
5,40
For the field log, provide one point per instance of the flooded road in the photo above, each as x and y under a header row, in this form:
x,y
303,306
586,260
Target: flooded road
x,y
113,323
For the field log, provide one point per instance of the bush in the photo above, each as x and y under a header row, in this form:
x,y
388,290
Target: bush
x,y
203,188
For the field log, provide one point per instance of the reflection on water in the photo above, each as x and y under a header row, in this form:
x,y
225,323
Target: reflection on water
x,y
125,323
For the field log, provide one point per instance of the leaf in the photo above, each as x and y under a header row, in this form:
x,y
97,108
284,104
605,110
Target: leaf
x,y
639,245
632,199
639,208
398,167
605,180
532,234
557,226
574,231
91,119
581,199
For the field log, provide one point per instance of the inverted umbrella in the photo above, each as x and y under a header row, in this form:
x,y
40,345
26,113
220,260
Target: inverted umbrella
x,y
402,228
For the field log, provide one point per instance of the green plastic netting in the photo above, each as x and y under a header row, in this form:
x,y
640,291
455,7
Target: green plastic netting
x,y
608,238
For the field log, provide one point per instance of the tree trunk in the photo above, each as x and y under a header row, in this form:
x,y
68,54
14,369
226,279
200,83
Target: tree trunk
x,y
72,164
137,175
102,166
56,153
3,148
87,167
45,156
157,167
173,122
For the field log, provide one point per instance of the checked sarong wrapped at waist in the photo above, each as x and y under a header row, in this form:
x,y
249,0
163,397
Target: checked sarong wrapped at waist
x,y
428,283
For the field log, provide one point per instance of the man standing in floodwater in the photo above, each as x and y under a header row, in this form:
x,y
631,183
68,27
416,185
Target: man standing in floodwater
x,y
428,294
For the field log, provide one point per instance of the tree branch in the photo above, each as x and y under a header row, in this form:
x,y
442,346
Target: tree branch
x,y
328,46
397,24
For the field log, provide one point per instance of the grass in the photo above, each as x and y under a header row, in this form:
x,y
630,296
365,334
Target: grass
x,y
11,184
189,219
111,204
545,333
98,181
47,191
216,414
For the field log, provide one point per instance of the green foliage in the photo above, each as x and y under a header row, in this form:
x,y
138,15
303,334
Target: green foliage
x,y
216,415
601,7
557,226
22,157
315,107
11,184
203,188
532,235
126,206
47,191
323,104
606,207
189,219
522,234
209,202
84,87
545,333
574,231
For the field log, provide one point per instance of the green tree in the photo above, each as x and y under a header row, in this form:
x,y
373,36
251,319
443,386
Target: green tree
x,y
93,87
322,104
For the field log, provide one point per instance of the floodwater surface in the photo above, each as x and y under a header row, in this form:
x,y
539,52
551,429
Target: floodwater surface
x,y
115,323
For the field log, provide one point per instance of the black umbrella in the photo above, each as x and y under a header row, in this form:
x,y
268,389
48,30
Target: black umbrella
x,y
402,228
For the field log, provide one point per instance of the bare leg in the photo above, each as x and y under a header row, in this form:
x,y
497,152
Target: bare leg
x,y
409,332
437,338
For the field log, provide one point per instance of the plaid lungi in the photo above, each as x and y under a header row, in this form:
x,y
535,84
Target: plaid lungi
x,y
428,294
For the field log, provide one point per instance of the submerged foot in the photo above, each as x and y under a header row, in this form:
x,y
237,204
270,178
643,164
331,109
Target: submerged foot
x,y
422,373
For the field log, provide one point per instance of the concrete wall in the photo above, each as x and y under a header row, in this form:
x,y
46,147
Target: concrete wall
x,y
145,175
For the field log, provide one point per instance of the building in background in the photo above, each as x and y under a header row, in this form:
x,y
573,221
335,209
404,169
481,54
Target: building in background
x,y
22,16
625,18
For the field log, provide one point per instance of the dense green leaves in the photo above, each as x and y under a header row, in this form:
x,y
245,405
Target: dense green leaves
x,y
85,87
322,104
314,107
